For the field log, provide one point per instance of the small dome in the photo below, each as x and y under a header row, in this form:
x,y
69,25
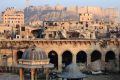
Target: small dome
x,y
34,53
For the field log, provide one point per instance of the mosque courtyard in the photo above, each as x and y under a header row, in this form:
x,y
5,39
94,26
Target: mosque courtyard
x,y
9,76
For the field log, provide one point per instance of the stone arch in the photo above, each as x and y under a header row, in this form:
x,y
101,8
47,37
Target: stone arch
x,y
110,60
53,56
110,55
19,55
96,64
81,57
96,55
81,60
66,58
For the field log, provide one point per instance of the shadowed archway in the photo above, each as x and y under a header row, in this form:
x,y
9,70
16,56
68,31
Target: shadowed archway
x,y
110,55
81,60
81,57
96,64
53,56
110,60
96,55
19,55
66,58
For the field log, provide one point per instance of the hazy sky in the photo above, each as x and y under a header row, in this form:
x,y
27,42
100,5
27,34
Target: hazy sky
x,y
21,3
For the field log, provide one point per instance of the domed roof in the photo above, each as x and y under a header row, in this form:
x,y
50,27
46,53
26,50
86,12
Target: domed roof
x,y
72,72
72,68
34,53
34,57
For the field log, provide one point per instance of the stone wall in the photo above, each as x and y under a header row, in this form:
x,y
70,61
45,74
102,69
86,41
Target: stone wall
x,y
10,48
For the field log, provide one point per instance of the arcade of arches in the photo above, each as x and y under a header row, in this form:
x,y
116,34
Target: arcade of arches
x,y
84,53
82,59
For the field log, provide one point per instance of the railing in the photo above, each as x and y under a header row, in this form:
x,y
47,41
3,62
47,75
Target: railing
x,y
33,62
9,69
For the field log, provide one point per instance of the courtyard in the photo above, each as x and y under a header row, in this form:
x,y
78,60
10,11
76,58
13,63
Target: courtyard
x,y
9,76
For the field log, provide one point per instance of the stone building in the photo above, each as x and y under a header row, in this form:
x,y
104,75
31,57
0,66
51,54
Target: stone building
x,y
84,53
86,17
13,17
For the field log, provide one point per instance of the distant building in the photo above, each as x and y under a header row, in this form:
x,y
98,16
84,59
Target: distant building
x,y
108,14
86,17
36,23
13,17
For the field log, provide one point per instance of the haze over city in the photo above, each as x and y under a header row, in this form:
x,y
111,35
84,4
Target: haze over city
x,y
20,4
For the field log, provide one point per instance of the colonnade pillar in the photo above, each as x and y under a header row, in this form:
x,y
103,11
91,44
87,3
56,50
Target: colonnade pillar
x,y
47,73
74,58
88,62
32,74
59,63
14,57
117,62
21,74
36,74
103,63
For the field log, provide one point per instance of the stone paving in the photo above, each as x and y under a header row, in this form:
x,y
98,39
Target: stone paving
x,y
104,77
8,76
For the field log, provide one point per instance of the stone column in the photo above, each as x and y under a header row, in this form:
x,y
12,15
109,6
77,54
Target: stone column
x,y
74,58
59,62
117,62
14,56
103,63
35,74
32,74
88,61
21,74
47,73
